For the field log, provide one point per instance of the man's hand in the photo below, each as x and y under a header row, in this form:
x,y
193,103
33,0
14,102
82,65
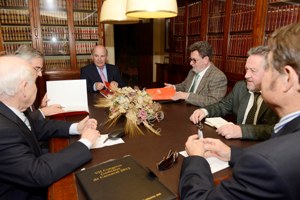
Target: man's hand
x,y
180,95
194,146
44,101
90,134
51,110
114,85
230,131
168,85
86,123
216,148
99,85
197,116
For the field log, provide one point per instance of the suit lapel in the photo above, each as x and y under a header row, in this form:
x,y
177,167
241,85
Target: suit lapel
x,y
290,127
204,79
95,74
26,133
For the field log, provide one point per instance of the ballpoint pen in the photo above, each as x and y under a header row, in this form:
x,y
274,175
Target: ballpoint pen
x,y
200,130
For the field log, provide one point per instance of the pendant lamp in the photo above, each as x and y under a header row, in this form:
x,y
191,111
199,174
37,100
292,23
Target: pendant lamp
x,y
113,12
151,8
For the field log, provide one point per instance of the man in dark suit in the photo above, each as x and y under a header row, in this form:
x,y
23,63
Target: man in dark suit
x,y
269,170
205,84
25,171
99,72
240,101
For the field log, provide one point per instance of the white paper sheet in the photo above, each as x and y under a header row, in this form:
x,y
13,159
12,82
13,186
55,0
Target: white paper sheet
x,y
214,163
70,94
100,142
216,121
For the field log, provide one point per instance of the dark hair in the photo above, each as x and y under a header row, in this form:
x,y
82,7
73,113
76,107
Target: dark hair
x,y
284,46
261,51
203,47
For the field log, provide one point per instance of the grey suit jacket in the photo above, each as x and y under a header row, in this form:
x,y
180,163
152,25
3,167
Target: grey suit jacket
x,y
236,103
24,170
211,89
268,170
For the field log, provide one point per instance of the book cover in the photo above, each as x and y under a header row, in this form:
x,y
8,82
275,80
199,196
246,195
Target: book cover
x,y
123,178
161,93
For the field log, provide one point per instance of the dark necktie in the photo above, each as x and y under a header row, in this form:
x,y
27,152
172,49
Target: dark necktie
x,y
194,82
252,111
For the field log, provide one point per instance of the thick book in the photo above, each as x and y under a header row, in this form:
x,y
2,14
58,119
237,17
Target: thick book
x,y
122,178
70,94
161,93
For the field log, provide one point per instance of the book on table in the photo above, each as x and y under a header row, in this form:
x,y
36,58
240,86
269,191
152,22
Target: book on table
x,y
122,178
106,90
70,94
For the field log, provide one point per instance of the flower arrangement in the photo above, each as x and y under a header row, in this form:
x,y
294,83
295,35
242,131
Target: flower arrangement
x,y
136,105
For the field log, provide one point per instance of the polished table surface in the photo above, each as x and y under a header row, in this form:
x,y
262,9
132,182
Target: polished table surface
x,y
147,149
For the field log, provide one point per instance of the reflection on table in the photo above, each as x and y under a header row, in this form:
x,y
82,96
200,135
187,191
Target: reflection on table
x,y
147,149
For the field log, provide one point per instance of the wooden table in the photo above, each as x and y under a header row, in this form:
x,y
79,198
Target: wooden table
x,y
147,149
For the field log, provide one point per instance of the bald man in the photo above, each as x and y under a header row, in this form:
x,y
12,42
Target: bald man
x,y
99,72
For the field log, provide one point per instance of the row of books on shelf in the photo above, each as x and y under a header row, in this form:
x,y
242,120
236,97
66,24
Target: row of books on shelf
x,y
86,33
243,4
216,43
10,48
242,20
179,29
216,7
59,48
178,44
14,16
54,17
281,16
176,59
180,15
216,23
16,33
195,9
52,65
20,3
240,44
85,47
217,61
192,39
58,32
194,26
85,5
235,65
86,18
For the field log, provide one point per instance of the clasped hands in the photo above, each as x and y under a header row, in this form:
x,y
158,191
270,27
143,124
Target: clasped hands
x,y
101,86
207,147
87,129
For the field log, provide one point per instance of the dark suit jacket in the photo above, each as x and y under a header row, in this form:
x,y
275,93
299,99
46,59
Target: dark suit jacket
x,y
91,75
268,170
25,172
211,89
236,103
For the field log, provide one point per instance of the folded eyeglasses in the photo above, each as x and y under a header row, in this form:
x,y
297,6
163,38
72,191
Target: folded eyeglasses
x,y
169,161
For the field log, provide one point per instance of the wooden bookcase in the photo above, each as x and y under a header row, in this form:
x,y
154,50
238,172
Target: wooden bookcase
x,y
231,27
65,31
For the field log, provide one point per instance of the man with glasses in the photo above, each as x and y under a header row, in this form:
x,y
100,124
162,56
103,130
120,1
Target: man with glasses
x,y
36,60
268,170
254,119
205,83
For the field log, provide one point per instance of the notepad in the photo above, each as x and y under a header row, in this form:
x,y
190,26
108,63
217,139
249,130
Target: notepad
x,y
70,94
216,121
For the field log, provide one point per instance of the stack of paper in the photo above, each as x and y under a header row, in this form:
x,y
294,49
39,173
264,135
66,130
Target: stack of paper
x,y
216,121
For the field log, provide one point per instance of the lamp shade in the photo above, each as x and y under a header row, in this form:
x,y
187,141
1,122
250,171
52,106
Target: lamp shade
x,y
151,8
113,12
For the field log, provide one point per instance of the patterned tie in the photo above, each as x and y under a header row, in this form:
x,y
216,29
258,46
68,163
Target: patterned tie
x,y
252,111
194,83
102,75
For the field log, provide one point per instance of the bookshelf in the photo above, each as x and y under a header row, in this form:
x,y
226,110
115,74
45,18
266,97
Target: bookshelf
x,y
65,31
232,27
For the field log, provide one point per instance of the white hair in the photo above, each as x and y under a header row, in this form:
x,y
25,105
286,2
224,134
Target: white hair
x,y
13,71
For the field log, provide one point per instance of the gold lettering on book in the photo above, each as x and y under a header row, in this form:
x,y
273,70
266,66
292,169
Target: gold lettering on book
x,y
107,172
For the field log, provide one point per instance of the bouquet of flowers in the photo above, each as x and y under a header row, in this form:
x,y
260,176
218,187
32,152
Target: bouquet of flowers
x,y
136,105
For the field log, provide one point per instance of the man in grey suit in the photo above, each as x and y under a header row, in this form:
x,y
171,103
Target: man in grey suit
x,y
205,83
25,170
240,101
270,169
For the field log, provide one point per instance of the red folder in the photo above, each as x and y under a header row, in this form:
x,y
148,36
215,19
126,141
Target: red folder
x,y
161,93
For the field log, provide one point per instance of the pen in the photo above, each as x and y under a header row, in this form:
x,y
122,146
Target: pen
x,y
200,128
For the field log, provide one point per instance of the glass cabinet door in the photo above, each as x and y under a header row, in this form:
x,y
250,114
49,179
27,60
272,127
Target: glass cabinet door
x,y
86,30
55,34
15,24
